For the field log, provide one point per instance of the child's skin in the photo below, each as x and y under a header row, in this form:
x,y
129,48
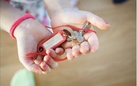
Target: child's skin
x,y
30,32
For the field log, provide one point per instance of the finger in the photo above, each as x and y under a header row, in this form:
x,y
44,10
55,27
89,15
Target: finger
x,y
59,51
92,40
69,54
76,50
38,59
67,45
84,47
30,65
97,21
51,63
45,68
51,53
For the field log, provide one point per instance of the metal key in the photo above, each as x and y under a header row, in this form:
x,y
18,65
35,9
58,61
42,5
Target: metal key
x,y
77,36
87,25
80,37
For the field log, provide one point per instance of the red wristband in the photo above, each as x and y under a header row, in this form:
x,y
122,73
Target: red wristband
x,y
17,22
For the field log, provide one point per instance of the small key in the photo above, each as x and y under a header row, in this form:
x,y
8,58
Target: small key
x,y
69,33
72,35
80,37
77,36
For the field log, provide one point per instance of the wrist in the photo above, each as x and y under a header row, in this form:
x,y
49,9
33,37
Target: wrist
x,y
31,27
22,28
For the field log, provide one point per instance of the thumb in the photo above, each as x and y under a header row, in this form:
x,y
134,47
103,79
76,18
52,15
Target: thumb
x,y
97,21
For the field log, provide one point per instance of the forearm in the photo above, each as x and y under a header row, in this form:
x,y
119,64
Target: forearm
x,y
55,6
8,15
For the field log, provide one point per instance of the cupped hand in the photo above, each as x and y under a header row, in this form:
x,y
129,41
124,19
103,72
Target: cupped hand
x,y
28,34
78,18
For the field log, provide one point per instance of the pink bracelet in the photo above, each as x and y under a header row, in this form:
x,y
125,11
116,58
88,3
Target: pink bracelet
x,y
17,22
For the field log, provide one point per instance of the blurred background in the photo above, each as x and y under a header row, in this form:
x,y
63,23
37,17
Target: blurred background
x,y
114,64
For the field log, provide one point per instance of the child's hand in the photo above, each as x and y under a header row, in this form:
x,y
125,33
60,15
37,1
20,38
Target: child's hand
x,y
28,34
78,18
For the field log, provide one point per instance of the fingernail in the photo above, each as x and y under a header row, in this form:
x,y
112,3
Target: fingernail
x,y
47,59
55,65
44,65
94,49
49,52
106,22
38,72
44,72
70,57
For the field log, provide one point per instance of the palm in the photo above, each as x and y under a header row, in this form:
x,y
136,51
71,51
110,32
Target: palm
x,y
76,18
27,43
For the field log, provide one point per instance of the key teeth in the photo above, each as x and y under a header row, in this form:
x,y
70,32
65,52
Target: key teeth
x,y
87,25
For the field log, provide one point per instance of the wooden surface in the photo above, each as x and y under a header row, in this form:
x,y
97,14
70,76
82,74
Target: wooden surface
x,y
112,65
